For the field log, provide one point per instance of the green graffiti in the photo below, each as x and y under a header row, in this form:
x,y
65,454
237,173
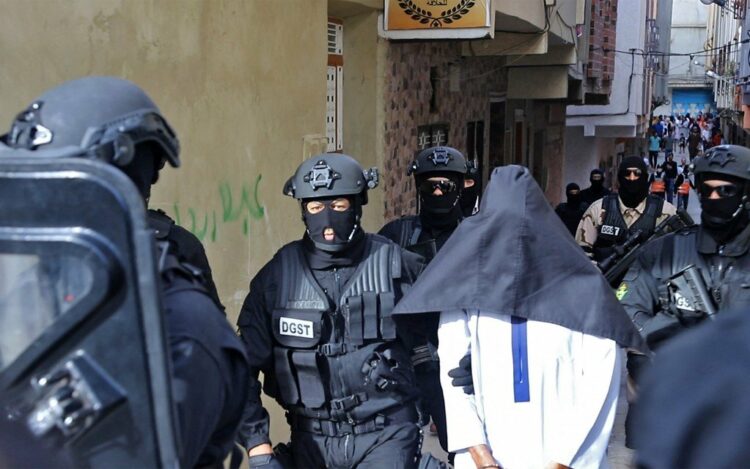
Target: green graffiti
x,y
242,209
246,207
199,232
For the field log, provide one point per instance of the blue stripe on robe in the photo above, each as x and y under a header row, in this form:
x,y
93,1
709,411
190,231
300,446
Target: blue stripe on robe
x,y
520,359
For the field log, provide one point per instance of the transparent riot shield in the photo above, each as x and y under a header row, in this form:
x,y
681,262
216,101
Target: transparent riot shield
x,y
84,365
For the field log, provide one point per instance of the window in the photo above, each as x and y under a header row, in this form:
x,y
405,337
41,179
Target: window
x,y
48,285
335,86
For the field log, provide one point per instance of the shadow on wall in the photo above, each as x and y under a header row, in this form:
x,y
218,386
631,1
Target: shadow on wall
x,y
205,225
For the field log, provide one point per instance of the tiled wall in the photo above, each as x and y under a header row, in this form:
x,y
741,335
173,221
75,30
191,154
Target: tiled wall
x,y
462,87
600,68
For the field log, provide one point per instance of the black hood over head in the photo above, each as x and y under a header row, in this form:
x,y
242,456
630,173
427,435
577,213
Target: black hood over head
x,y
517,258
632,193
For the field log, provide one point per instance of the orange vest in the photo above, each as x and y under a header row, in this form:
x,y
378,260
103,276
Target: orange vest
x,y
684,188
658,186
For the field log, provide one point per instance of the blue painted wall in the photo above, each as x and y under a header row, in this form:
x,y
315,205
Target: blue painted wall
x,y
693,100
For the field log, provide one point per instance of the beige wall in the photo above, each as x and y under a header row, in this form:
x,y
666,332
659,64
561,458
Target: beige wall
x,y
364,59
240,90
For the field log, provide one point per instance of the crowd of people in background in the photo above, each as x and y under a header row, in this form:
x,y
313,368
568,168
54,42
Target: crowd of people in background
x,y
680,138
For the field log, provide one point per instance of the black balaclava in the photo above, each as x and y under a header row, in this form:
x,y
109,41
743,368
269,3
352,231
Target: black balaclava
x,y
574,200
726,217
597,186
440,210
345,224
144,169
468,199
632,193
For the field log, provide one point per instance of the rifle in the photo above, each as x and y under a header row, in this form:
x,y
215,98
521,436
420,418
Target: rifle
x,y
699,300
615,266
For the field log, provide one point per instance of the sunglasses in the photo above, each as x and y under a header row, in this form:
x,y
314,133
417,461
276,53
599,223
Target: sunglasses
x,y
636,172
429,187
727,190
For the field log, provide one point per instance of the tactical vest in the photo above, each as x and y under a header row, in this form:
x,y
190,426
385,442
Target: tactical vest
x,y
323,364
728,286
410,229
177,276
161,223
614,230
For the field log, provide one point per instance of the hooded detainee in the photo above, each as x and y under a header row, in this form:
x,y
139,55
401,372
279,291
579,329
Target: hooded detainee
x,y
530,335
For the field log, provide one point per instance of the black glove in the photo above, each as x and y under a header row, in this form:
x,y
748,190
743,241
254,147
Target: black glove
x,y
462,375
264,461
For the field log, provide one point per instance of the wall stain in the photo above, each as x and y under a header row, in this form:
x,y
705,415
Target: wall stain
x,y
240,210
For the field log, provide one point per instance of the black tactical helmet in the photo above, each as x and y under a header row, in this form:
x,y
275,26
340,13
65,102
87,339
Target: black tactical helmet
x,y
730,160
438,159
103,116
331,175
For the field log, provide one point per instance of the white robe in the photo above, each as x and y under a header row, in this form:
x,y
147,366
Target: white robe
x,y
573,381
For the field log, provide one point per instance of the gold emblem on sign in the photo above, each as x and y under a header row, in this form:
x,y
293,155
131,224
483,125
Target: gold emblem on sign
x,y
432,17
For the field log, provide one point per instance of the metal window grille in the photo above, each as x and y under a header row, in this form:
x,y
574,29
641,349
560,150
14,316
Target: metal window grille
x,y
335,86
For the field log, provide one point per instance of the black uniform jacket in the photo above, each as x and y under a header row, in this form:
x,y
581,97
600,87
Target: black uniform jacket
x,y
724,268
256,329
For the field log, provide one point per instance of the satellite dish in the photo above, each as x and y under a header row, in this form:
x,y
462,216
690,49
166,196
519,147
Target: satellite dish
x,y
707,2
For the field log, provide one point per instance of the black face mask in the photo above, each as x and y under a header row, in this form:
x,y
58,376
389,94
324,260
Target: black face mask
x,y
574,200
345,226
597,184
632,193
468,200
440,210
724,218
144,169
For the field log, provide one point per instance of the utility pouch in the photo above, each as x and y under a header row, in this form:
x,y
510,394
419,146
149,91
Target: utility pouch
x,y
298,333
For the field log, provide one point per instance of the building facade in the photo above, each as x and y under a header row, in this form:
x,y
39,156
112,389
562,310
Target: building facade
x,y
688,87
597,136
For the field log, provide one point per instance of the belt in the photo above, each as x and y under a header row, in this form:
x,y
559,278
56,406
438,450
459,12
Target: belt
x,y
340,428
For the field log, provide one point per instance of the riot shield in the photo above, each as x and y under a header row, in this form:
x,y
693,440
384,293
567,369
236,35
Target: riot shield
x,y
84,365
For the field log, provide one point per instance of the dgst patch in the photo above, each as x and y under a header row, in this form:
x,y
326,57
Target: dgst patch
x,y
296,327
611,230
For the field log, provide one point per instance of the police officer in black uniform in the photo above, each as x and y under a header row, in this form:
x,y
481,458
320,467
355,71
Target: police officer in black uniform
x,y
610,221
112,120
683,278
571,211
658,292
596,190
439,175
317,322
469,199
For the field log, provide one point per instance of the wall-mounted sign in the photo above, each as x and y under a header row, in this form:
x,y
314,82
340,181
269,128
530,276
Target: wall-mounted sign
x,y
437,15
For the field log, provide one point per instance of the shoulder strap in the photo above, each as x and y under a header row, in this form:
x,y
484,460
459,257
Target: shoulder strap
x,y
160,222
171,269
613,216
647,221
